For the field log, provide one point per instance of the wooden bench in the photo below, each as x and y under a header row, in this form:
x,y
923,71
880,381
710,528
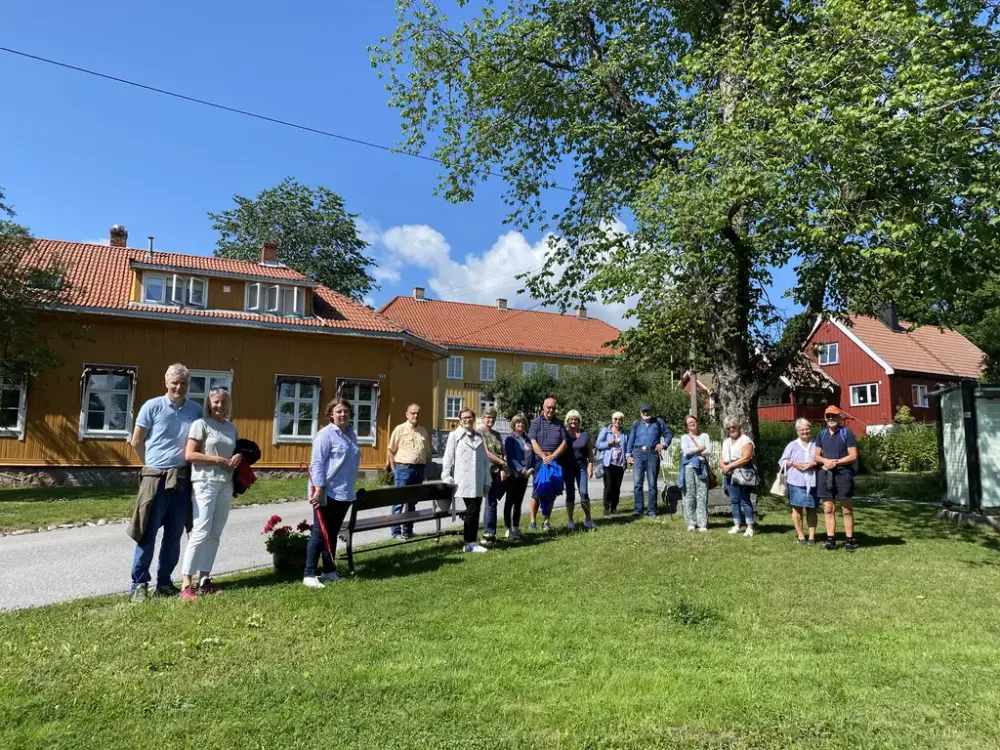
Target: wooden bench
x,y
439,495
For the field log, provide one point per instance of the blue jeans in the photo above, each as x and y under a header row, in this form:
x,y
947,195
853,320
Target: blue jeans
x,y
574,479
405,475
739,500
645,465
497,489
169,510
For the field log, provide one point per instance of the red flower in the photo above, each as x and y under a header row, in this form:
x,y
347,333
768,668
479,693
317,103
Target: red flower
x,y
271,523
304,526
282,531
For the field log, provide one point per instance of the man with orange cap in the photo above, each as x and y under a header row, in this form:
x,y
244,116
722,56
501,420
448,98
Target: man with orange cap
x,y
836,460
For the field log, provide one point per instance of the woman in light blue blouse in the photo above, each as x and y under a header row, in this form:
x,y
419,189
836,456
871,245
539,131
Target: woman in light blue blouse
x,y
333,471
612,441
799,464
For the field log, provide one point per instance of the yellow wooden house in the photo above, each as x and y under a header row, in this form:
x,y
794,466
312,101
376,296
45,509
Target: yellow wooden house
x,y
282,344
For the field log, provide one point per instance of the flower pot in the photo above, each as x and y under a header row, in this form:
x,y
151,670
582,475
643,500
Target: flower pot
x,y
289,565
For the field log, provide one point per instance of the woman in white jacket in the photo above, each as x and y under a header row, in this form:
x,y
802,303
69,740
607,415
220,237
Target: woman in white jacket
x,y
467,467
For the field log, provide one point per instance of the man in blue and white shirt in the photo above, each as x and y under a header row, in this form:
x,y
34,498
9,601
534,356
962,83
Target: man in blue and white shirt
x,y
646,441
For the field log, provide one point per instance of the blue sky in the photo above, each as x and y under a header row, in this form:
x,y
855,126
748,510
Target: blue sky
x,y
78,154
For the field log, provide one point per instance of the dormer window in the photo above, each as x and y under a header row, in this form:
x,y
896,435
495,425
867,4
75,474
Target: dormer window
x,y
173,289
276,299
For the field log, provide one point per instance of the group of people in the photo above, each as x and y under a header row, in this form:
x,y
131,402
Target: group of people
x,y
190,453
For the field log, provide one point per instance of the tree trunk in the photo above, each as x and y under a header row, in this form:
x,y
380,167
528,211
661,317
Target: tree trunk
x,y
738,397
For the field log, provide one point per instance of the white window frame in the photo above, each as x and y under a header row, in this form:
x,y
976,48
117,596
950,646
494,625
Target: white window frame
x,y
283,379
869,386
458,360
257,306
343,386
226,375
570,368
823,353
204,292
484,371
146,277
449,401
17,431
551,369
920,398
85,433
184,282
271,297
528,367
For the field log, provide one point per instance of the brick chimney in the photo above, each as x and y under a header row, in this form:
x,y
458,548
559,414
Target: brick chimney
x,y
269,252
501,303
418,292
119,236
581,312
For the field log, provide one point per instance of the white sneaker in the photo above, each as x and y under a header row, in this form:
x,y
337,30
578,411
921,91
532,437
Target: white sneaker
x,y
749,531
474,547
703,528
331,576
509,535
546,526
734,530
312,582
589,525
570,526
690,528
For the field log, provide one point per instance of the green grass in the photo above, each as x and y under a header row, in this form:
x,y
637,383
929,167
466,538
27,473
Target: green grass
x,y
32,507
923,486
635,636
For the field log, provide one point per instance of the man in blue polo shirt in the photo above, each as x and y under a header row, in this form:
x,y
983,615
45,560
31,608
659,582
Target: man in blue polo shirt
x,y
836,456
646,440
549,441
159,440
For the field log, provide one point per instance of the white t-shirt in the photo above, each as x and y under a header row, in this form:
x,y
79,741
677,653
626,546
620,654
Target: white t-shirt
x,y
734,451
214,439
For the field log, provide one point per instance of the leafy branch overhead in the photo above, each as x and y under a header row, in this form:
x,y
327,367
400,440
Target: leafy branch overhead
x,y
312,228
850,145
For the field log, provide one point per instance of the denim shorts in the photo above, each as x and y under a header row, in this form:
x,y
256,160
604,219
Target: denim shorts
x,y
800,497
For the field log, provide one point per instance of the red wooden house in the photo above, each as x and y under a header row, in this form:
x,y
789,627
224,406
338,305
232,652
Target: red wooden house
x,y
870,368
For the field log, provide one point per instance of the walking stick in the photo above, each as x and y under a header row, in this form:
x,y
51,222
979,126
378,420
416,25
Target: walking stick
x,y
322,528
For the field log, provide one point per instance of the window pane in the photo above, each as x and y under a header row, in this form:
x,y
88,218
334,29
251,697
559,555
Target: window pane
x,y
288,390
196,386
95,419
287,408
364,413
154,289
364,429
121,383
99,381
197,292
10,399
305,427
306,391
95,402
365,393
117,420
305,410
272,298
8,418
253,297
120,402
288,301
285,425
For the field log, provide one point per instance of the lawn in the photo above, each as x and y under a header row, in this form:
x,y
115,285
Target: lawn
x,y
634,636
31,507
896,485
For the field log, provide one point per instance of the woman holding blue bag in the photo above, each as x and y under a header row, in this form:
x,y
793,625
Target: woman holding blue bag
x,y
548,441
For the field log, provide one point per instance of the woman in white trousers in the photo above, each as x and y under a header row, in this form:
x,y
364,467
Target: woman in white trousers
x,y
210,450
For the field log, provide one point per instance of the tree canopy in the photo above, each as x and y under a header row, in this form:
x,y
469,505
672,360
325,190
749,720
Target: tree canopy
x,y
851,143
314,233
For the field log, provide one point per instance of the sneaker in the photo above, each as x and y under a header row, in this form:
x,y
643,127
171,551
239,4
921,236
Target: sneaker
x,y
803,542
588,524
691,528
189,594
394,537
811,542
333,575
516,534
490,538
703,528
532,526
207,586
140,593
850,545
473,547
312,582
831,543
749,531
405,537
734,530
546,526
570,526
508,535
167,590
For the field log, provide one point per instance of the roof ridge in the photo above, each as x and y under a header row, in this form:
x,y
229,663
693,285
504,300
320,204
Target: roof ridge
x,y
493,307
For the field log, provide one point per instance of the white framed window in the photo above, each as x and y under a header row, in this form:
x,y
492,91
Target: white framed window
x,y
108,393
154,288
13,407
486,402
920,398
864,395
551,369
528,367
196,293
363,396
174,289
456,368
275,299
203,381
828,354
296,408
452,407
254,300
570,368
487,369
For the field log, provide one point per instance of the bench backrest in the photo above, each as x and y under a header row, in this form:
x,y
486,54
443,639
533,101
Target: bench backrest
x,y
384,497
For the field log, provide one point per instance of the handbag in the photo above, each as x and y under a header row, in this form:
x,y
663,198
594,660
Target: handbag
x,y
713,480
780,486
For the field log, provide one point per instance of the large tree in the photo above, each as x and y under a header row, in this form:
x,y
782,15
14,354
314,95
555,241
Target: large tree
x,y
314,233
851,143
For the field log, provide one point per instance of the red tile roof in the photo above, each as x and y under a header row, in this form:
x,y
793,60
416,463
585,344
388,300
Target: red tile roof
x,y
101,278
461,324
925,349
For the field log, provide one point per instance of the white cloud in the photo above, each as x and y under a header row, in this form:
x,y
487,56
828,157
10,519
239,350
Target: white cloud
x,y
369,231
101,241
419,244
385,273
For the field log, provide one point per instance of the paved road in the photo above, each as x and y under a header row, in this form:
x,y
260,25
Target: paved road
x,y
55,566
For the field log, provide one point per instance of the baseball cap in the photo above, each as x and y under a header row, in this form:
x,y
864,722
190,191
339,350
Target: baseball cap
x,y
645,407
832,410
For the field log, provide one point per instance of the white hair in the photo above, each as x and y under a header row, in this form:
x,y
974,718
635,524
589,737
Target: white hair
x,y
227,404
617,415
177,370
802,421
732,423
573,414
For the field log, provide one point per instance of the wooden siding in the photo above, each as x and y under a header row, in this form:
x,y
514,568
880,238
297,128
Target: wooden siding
x,y
255,357
445,386
902,395
779,413
854,367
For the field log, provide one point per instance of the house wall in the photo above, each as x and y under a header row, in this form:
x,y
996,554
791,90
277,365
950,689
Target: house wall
x,y
779,413
254,356
902,394
855,367
469,388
